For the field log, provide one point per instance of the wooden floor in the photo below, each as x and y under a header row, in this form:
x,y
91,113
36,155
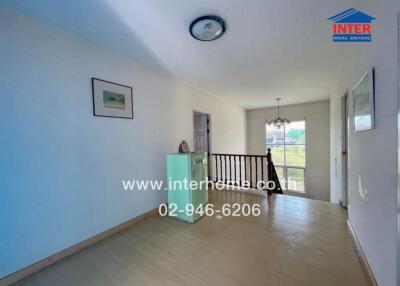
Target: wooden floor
x,y
295,241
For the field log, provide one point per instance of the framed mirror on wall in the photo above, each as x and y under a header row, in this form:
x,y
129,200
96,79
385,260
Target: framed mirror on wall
x,y
364,102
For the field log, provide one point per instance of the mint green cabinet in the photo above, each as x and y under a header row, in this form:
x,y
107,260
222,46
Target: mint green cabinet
x,y
181,170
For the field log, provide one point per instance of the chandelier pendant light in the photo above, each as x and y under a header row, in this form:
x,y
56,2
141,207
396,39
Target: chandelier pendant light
x,y
278,122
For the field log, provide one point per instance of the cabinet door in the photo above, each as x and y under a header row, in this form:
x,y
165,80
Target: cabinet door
x,y
199,173
178,194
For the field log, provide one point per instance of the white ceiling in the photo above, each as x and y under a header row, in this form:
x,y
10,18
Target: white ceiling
x,y
271,48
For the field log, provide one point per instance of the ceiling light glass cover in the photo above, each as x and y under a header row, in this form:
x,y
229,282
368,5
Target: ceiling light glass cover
x,y
207,28
279,122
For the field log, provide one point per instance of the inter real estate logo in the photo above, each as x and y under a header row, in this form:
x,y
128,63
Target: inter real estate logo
x,y
351,25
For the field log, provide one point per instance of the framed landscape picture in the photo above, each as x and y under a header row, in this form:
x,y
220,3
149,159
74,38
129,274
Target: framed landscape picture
x,y
112,99
364,102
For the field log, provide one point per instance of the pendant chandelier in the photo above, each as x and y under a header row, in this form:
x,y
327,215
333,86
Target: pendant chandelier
x,y
278,122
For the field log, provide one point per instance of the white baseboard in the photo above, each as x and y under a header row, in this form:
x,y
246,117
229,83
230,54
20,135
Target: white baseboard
x,y
29,270
361,255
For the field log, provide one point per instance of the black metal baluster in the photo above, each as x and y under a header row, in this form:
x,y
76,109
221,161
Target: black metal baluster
x,y
245,168
256,159
262,169
240,170
226,173
230,169
220,169
234,166
216,168
251,174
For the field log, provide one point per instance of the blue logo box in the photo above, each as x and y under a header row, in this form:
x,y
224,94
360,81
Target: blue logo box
x,y
352,37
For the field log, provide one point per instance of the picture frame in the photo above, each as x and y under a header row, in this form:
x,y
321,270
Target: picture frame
x,y
112,99
364,102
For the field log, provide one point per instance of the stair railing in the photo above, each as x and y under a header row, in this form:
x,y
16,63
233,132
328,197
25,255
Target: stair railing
x,y
238,169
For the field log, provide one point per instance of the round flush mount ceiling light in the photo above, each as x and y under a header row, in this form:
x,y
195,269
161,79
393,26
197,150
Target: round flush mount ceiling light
x,y
207,28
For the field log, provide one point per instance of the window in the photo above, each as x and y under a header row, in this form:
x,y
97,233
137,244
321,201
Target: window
x,y
288,149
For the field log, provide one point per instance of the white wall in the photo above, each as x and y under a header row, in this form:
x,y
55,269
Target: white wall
x,y
316,115
373,153
61,168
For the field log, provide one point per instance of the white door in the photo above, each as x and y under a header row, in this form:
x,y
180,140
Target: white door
x,y
200,132
201,126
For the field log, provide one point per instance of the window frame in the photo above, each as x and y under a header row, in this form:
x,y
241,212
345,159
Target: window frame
x,y
284,166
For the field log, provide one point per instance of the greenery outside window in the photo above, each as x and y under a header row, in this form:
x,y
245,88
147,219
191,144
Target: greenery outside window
x,y
288,148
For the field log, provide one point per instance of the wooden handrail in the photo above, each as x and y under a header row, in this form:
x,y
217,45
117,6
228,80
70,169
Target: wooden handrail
x,y
243,155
